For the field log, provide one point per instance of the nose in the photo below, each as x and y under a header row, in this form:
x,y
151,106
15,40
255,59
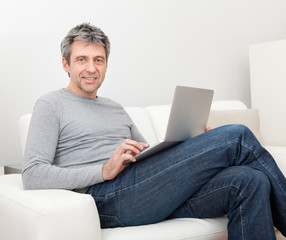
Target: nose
x,y
91,67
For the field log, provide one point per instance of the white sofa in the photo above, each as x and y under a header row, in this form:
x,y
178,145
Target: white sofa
x,y
66,215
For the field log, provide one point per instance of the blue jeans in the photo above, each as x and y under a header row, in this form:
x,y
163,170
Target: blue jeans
x,y
223,171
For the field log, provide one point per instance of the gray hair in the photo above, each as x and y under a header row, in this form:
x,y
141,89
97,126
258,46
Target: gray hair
x,y
87,33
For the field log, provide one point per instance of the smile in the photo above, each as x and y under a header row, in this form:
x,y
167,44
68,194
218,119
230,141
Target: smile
x,y
90,79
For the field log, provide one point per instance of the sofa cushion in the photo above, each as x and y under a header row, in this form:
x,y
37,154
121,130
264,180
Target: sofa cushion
x,y
159,116
142,122
174,229
247,117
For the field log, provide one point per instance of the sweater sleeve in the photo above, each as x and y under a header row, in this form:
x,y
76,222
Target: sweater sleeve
x,y
39,171
136,135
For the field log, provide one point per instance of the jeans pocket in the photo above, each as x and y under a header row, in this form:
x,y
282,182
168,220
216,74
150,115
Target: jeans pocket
x,y
108,221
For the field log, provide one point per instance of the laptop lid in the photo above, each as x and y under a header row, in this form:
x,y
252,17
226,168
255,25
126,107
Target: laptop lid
x,y
189,113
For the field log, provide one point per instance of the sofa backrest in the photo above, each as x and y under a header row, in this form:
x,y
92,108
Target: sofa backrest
x,y
142,121
23,124
150,121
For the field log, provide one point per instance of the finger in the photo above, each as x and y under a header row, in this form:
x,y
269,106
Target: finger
x,y
132,145
130,149
127,158
144,145
138,145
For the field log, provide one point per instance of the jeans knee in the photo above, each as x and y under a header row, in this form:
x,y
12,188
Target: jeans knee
x,y
261,181
256,184
244,185
238,129
242,133
249,181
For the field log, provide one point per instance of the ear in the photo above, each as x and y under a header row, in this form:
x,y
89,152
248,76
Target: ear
x,y
65,65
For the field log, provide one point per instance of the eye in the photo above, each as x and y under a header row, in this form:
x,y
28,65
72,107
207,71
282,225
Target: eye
x,y
100,60
80,59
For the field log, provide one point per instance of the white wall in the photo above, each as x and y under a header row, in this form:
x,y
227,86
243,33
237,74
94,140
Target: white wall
x,y
267,81
156,44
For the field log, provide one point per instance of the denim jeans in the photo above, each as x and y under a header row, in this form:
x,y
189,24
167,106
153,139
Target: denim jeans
x,y
224,171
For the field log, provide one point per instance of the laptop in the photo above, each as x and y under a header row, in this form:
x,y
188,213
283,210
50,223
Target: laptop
x,y
188,118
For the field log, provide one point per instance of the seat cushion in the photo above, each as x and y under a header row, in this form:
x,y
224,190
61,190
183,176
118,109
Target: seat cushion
x,y
175,229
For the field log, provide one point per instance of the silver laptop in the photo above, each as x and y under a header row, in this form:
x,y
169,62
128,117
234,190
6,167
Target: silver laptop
x,y
188,118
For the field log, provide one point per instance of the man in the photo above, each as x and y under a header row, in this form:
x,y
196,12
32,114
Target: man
x,y
80,141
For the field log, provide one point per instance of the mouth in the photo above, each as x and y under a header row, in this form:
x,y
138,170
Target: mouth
x,y
89,79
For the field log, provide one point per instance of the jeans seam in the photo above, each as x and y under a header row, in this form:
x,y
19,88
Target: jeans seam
x,y
114,218
242,222
218,189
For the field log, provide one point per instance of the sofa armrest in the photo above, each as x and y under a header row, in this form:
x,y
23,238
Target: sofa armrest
x,y
279,154
45,214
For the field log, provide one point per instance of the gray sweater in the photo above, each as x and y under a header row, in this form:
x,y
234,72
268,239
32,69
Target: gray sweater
x,y
70,138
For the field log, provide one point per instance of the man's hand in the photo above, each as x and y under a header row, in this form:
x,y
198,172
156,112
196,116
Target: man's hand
x,y
124,153
208,129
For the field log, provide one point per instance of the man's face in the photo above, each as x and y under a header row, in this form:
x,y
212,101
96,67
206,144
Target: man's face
x,y
87,68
